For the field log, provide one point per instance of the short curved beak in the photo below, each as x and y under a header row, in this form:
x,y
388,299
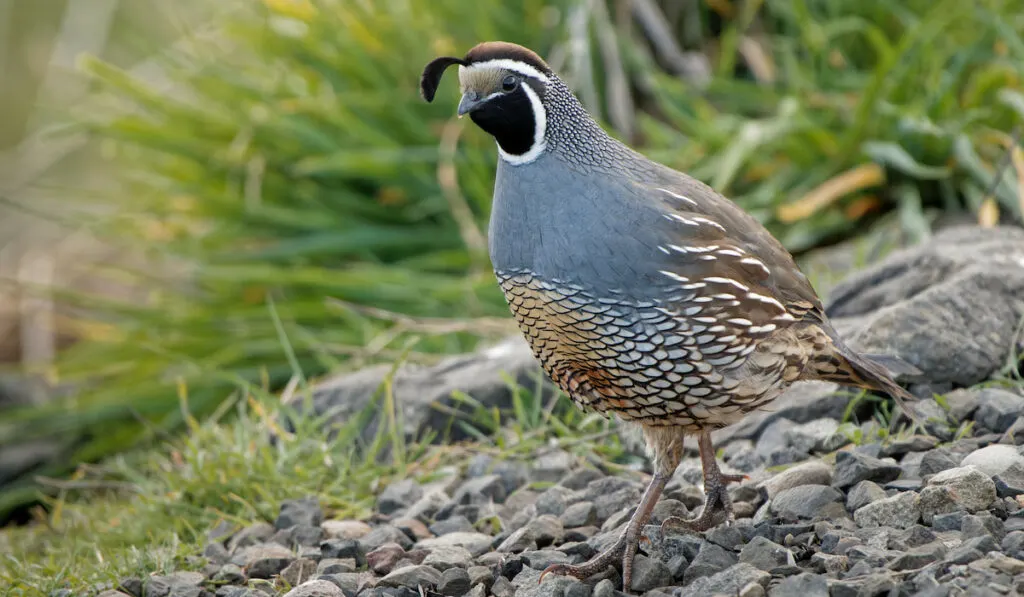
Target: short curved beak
x,y
469,102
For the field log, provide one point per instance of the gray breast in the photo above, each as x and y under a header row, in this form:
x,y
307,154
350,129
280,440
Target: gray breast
x,y
584,228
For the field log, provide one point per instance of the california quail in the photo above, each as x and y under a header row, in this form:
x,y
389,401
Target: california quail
x,y
641,290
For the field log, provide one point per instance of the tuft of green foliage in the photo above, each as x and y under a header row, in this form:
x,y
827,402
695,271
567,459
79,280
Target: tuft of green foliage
x,y
150,511
295,163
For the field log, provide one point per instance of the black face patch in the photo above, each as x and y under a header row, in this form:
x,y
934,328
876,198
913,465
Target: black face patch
x,y
509,118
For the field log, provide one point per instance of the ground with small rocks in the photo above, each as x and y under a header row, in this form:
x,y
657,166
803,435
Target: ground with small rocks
x,y
913,515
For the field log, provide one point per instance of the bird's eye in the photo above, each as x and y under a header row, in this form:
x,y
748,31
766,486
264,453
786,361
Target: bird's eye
x,y
509,83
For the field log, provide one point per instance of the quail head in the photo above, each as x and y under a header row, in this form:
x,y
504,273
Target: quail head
x,y
642,292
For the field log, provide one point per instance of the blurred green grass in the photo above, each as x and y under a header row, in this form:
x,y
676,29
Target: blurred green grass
x,y
296,163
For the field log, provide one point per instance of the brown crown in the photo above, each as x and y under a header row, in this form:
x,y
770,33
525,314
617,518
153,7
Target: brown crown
x,y
495,50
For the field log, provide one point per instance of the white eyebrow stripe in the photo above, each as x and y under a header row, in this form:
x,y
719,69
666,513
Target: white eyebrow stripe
x,y
512,65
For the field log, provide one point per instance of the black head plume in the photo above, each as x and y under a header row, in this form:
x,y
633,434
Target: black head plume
x,y
432,72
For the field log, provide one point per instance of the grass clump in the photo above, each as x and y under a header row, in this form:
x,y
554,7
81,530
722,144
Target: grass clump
x,y
149,511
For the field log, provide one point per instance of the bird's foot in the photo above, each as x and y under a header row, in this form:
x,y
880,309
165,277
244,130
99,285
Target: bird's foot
x,y
716,503
597,564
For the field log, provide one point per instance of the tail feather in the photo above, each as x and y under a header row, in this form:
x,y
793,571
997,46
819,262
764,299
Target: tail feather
x,y
896,366
876,372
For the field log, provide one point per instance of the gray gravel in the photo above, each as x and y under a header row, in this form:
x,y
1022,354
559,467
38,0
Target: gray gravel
x,y
916,515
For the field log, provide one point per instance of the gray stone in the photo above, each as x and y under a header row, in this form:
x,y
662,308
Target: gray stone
x,y
480,575
455,523
231,574
914,443
454,582
729,581
854,467
483,375
580,514
980,525
554,501
994,459
910,538
398,495
481,490
605,588
299,572
812,472
552,466
998,409
649,573
766,555
232,591
801,403
862,494
502,587
902,510
216,553
381,535
942,306
949,521
303,535
730,536
343,549
808,502
1015,434
962,403
747,460
349,582
919,557
267,561
412,577
305,511
819,435
936,461
528,585
335,566
801,585
580,478
513,473
386,558
773,436
518,541
542,558
1010,482
616,501
316,588
133,586
448,556
1004,563
427,506
1013,544
829,563
476,543
711,559
251,535
961,488
345,529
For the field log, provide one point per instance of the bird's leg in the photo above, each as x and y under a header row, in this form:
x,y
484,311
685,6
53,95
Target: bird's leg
x,y
716,495
626,546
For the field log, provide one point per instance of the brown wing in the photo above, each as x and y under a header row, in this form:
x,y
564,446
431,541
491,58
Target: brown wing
x,y
715,240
